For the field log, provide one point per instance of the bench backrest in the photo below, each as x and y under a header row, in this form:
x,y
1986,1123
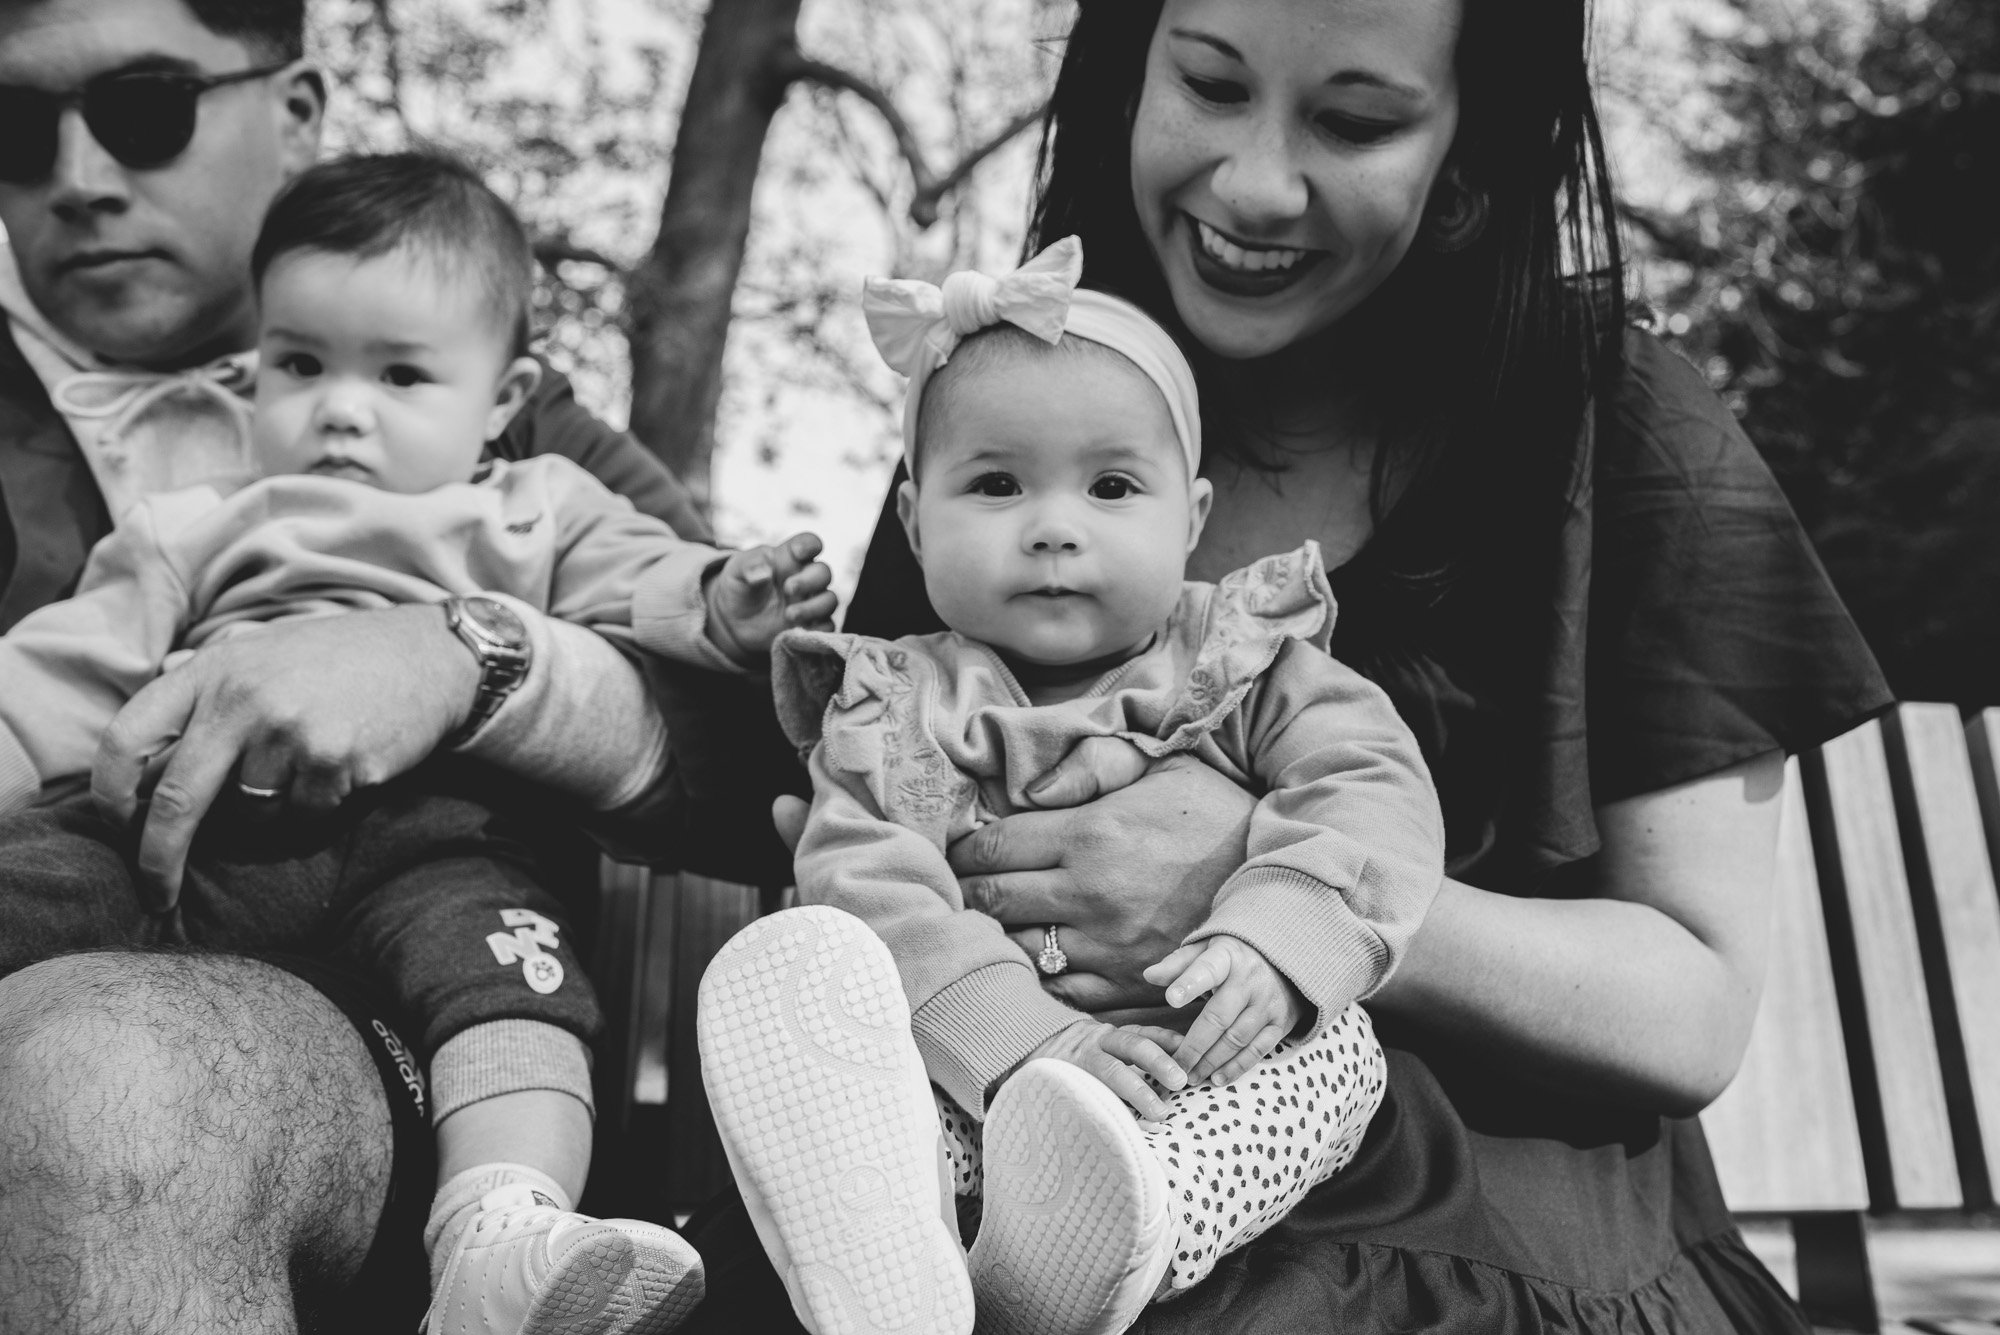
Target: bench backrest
x,y
1873,1074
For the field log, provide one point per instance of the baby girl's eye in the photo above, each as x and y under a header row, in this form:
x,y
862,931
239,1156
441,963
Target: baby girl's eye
x,y
995,484
300,364
1113,487
402,377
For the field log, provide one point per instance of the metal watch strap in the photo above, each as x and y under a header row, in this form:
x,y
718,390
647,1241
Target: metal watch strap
x,y
503,665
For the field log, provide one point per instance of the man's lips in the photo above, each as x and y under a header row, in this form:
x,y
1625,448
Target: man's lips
x,y
96,261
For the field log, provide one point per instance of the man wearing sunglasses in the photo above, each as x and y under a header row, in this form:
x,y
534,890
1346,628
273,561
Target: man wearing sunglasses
x,y
198,1142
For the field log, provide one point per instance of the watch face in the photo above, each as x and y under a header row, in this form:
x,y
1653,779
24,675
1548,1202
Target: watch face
x,y
497,620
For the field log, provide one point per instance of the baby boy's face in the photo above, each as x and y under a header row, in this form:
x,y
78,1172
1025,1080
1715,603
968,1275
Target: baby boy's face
x,y
389,370
1055,513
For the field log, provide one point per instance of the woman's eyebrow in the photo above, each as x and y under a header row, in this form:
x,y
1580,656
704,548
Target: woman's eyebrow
x,y
1190,35
1342,79
1367,79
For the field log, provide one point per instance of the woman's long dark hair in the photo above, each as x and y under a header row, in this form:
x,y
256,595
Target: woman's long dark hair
x,y
1485,358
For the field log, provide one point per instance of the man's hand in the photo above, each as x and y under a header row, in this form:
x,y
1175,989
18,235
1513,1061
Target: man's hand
x,y
761,591
1251,1006
1122,1057
313,709
1126,876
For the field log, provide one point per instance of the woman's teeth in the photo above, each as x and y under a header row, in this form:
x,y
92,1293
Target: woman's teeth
x,y
1232,256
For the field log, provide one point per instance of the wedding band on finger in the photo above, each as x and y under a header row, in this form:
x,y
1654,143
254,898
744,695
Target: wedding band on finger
x,y
256,794
1051,961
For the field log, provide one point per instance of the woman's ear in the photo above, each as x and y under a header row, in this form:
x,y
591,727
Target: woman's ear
x,y
517,382
1201,497
906,510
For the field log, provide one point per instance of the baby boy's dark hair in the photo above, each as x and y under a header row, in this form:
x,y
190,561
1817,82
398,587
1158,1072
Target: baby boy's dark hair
x,y
367,206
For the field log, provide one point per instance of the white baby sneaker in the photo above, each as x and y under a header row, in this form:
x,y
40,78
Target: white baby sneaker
x,y
524,1266
1077,1232
826,1116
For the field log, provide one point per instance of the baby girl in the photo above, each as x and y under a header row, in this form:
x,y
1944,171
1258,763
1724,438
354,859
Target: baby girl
x,y
1053,445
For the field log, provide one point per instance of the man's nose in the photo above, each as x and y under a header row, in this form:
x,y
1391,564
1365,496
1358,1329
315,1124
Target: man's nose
x,y
85,179
1259,180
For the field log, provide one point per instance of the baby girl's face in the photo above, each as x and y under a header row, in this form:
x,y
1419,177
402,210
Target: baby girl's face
x,y
1055,514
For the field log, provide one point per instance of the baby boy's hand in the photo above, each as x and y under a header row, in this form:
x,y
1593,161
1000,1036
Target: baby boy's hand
x,y
1251,1008
1122,1057
762,591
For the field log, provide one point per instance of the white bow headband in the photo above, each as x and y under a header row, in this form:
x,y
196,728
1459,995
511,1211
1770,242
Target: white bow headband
x,y
916,327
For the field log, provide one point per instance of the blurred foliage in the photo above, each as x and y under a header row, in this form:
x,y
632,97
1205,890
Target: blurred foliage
x,y
1838,280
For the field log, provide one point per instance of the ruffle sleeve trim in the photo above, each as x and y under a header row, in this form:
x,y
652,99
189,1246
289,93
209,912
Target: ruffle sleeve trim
x,y
1251,614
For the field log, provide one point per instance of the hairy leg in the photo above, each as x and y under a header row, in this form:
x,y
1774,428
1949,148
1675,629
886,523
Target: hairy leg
x,y
187,1142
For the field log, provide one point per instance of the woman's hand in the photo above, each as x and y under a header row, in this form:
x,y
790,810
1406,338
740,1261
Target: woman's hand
x,y
1122,1057
313,708
1125,876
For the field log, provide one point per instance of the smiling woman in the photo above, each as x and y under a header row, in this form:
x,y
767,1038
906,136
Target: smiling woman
x,y
1277,189
1382,230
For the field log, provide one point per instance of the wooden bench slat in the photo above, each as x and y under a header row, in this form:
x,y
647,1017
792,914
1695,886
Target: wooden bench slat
x,y
1783,1135
1945,758
1860,829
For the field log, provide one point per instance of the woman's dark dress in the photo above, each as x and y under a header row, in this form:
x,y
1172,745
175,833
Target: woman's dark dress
x,y
1680,624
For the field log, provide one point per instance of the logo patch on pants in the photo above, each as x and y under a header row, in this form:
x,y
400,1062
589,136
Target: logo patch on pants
x,y
529,943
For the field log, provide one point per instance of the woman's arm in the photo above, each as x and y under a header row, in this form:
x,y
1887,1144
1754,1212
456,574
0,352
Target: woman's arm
x,y
1645,993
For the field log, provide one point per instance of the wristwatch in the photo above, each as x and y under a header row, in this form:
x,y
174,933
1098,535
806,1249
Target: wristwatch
x,y
500,642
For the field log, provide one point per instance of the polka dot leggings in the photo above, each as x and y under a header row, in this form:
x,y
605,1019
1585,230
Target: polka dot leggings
x,y
1238,1157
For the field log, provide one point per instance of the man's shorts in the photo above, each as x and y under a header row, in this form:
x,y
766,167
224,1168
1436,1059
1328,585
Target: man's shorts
x,y
393,1287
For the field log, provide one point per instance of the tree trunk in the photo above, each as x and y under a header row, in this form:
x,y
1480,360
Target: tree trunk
x,y
680,294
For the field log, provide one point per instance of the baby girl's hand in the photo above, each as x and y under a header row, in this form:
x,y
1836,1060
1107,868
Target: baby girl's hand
x,y
1122,1057
761,591
1253,1006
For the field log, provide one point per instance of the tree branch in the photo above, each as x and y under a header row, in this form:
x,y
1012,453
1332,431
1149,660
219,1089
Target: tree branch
x,y
924,210
553,250
1672,242
392,59
931,187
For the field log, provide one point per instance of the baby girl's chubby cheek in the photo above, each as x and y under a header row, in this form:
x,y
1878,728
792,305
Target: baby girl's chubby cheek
x,y
1053,513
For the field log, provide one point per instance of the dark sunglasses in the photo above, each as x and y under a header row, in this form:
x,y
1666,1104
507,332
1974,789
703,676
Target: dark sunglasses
x,y
143,118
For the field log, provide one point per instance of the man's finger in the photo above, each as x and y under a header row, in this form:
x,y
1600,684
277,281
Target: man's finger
x,y
321,787
151,721
201,765
1094,766
1027,841
788,815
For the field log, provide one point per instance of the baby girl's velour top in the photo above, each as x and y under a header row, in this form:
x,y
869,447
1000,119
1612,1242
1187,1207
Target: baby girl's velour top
x,y
918,741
